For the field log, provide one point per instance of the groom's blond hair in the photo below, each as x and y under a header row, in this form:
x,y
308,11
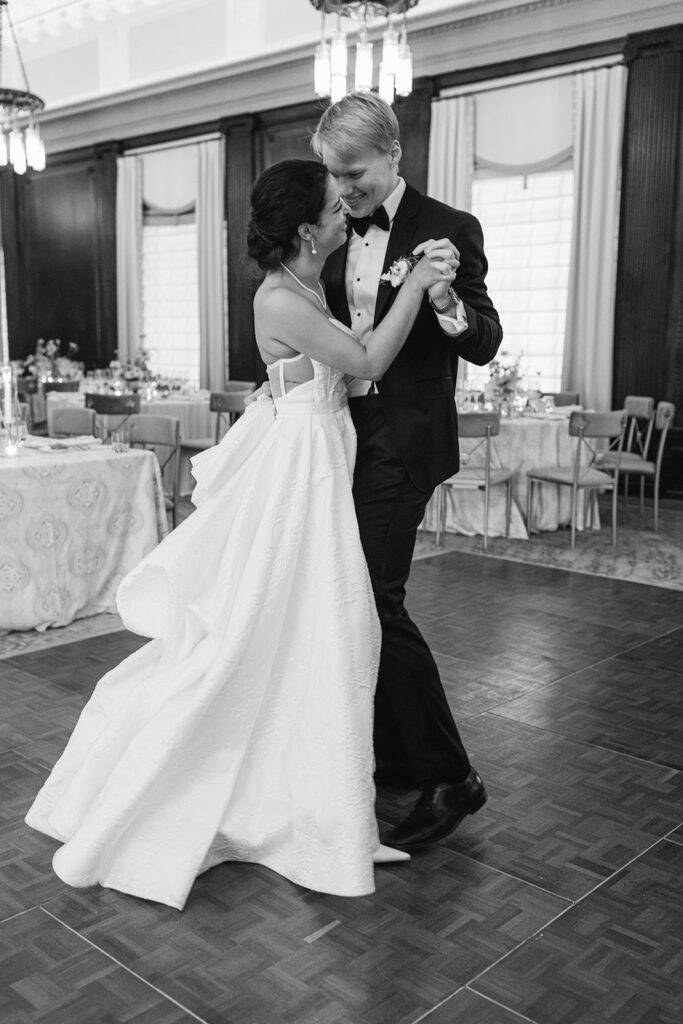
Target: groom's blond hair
x,y
357,122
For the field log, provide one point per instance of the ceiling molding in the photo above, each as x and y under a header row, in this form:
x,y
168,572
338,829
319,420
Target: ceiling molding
x,y
478,34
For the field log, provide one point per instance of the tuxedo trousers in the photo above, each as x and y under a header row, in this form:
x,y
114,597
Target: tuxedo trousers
x,y
416,739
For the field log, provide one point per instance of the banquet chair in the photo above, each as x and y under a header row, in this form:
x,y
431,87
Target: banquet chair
x,y
228,406
645,468
240,385
588,428
61,385
160,434
482,426
73,422
641,417
36,416
563,397
124,406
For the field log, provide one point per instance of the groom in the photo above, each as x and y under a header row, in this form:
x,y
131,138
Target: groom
x,y
407,438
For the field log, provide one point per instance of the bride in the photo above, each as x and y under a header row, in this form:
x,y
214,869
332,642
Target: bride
x,y
243,730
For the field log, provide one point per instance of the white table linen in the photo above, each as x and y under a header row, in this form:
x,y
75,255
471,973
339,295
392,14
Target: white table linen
x,y
73,523
196,420
524,442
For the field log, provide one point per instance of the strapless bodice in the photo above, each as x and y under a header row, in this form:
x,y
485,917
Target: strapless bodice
x,y
325,391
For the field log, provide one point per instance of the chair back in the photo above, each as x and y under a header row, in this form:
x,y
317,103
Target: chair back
x,y
160,434
240,385
664,416
563,397
641,413
483,425
113,405
597,424
590,426
478,424
61,385
72,422
227,405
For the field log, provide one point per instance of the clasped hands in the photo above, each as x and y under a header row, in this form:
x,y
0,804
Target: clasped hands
x,y
440,249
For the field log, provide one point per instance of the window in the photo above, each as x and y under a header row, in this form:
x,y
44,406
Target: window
x,y
527,222
170,291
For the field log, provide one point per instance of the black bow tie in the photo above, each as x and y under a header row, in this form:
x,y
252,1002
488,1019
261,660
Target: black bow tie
x,y
361,224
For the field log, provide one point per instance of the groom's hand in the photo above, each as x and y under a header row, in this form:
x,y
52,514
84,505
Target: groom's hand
x,y
265,389
439,291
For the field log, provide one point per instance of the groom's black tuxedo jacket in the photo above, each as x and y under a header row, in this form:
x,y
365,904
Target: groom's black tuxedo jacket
x,y
417,391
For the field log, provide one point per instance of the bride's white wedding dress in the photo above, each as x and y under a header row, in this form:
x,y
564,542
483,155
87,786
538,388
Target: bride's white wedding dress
x,y
243,730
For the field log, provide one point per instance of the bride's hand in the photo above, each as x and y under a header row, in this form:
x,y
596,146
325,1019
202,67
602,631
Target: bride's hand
x,y
438,264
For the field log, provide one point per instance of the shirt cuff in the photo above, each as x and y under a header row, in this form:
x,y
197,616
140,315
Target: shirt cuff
x,y
456,324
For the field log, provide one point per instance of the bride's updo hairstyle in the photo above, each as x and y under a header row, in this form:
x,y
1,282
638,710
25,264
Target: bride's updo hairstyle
x,y
286,195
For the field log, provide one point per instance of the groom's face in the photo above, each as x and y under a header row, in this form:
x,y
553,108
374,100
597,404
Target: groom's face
x,y
364,178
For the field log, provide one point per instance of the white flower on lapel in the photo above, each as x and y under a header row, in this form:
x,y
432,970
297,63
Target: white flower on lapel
x,y
399,270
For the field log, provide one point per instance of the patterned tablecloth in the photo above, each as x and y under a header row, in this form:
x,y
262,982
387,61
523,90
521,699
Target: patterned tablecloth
x,y
192,410
523,443
72,524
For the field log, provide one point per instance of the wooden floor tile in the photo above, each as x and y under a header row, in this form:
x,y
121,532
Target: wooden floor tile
x,y
468,1007
665,652
239,950
614,958
560,814
613,705
26,876
51,975
80,665
559,901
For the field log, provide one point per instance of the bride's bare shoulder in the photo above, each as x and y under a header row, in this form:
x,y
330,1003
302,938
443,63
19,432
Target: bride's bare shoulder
x,y
273,299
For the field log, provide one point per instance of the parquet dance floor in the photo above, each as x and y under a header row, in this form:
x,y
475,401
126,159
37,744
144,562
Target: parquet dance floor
x,y
561,902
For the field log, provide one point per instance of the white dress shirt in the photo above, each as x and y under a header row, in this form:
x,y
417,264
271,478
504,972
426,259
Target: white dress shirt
x,y
364,263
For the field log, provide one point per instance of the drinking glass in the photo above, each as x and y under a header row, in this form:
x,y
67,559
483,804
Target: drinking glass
x,y
120,441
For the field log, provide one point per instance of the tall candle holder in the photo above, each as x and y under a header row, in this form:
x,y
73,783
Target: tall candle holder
x,y
8,410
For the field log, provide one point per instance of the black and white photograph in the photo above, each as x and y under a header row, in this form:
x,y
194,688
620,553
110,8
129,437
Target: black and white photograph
x,y
341,511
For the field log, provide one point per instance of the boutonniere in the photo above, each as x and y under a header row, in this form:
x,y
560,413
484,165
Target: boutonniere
x,y
399,270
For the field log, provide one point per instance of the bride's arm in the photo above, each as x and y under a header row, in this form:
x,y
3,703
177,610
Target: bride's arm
x,y
292,320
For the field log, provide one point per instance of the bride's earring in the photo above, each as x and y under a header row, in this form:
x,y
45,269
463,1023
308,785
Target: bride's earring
x,y
313,248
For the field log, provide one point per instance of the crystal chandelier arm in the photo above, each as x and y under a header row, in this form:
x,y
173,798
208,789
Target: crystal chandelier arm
x,y
5,4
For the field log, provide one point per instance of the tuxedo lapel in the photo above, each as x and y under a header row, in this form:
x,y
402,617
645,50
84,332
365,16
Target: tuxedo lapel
x,y
334,279
401,242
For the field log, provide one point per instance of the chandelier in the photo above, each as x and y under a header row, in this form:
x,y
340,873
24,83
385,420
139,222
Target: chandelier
x,y
331,55
20,143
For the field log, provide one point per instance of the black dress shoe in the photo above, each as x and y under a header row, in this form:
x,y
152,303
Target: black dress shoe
x,y
439,810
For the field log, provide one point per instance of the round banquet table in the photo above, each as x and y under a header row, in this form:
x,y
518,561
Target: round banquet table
x,y
524,442
196,420
74,522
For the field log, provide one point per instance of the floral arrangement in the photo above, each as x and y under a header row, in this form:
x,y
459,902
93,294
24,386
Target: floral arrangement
x,y
505,376
399,270
138,369
52,359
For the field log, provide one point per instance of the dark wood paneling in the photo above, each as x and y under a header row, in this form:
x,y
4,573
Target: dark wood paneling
x,y
105,340
60,255
286,134
414,118
11,196
59,229
648,350
245,362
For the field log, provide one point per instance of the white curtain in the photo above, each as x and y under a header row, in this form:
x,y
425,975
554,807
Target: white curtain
x,y
451,151
128,251
213,368
589,337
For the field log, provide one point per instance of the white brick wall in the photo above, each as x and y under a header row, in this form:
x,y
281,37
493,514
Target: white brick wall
x,y
527,234
171,299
